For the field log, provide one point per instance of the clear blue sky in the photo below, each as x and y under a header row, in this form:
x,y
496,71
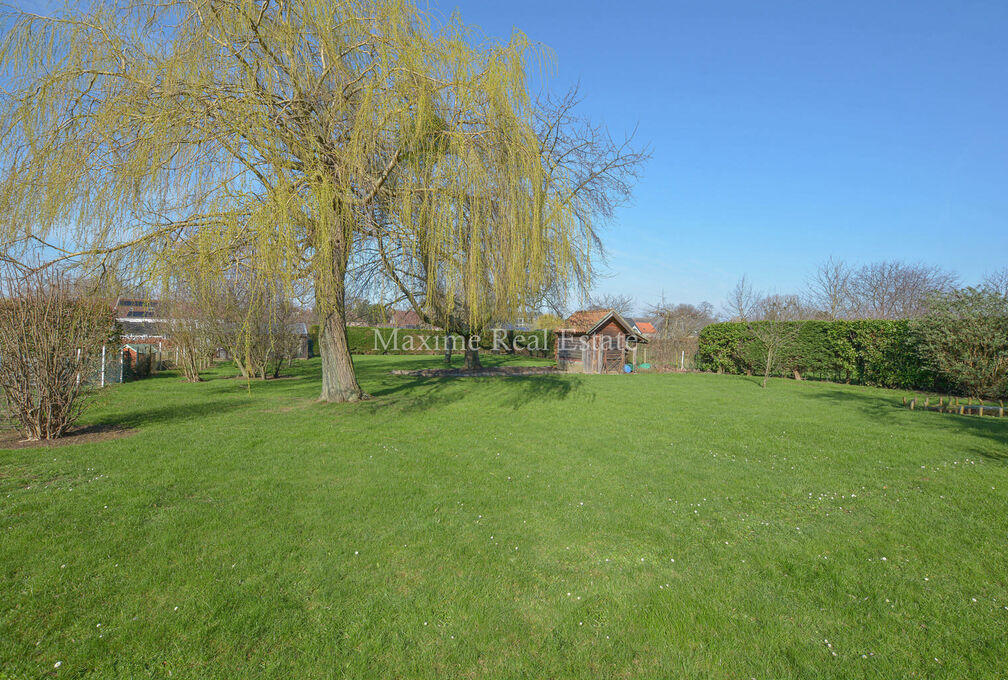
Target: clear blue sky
x,y
786,132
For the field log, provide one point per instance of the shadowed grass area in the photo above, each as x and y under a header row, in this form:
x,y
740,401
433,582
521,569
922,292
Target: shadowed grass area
x,y
638,526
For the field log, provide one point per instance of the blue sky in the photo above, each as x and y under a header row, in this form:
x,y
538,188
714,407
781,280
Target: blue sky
x,y
786,132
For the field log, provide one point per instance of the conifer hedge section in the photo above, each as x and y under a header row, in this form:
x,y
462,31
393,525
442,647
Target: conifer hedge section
x,y
868,352
361,340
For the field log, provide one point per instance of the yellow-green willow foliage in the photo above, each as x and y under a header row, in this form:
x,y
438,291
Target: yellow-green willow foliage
x,y
176,137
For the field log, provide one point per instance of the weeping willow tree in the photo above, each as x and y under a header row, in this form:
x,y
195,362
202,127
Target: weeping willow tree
x,y
584,176
164,137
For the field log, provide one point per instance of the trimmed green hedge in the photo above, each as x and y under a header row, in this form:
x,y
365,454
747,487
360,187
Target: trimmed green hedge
x,y
868,352
361,340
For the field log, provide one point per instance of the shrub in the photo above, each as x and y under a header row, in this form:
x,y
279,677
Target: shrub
x,y
964,337
48,338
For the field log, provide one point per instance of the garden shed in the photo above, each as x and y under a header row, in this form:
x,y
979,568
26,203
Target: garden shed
x,y
597,341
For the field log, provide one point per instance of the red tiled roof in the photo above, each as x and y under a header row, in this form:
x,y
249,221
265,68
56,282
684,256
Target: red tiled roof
x,y
584,320
645,327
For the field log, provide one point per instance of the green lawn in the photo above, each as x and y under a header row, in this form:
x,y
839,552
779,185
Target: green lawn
x,y
647,526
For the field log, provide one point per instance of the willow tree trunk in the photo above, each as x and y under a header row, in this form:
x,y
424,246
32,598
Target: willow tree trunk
x,y
472,360
448,349
339,382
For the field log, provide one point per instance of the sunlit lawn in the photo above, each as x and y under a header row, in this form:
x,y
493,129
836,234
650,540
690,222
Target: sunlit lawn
x,y
647,526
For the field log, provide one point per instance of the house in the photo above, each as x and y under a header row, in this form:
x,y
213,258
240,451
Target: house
x,y
597,341
406,318
144,332
646,328
137,308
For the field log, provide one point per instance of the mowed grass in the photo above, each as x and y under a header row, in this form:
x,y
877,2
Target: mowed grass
x,y
646,526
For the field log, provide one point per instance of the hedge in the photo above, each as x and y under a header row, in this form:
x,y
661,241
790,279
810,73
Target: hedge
x,y
868,352
361,340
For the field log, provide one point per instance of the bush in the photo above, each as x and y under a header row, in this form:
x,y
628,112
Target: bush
x,y
48,339
964,337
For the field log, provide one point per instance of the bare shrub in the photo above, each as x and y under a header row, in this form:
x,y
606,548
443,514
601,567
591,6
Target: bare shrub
x,y
49,335
770,319
677,326
190,335
248,315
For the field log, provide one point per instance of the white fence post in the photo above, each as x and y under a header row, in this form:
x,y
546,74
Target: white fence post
x,y
103,365
682,360
120,365
78,366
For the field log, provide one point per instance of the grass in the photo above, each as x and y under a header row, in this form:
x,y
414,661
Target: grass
x,y
646,526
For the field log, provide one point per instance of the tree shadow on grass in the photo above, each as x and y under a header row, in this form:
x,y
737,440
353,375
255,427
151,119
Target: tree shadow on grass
x,y
885,407
516,392
873,405
987,427
138,418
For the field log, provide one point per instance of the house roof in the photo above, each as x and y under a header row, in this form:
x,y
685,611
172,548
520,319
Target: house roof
x,y
582,321
645,327
589,321
137,307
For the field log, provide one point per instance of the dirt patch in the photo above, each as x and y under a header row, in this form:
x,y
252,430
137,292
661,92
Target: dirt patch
x,y
13,439
480,373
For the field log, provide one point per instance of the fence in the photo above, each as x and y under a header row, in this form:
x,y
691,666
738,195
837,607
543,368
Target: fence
x,y
669,354
119,364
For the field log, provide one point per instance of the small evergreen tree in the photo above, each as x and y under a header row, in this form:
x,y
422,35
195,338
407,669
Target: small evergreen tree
x,y
964,337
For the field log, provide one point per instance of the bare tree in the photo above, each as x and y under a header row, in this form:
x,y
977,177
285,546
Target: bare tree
x,y
192,336
680,320
897,290
743,302
773,320
248,314
997,281
48,338
621,304
829,289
